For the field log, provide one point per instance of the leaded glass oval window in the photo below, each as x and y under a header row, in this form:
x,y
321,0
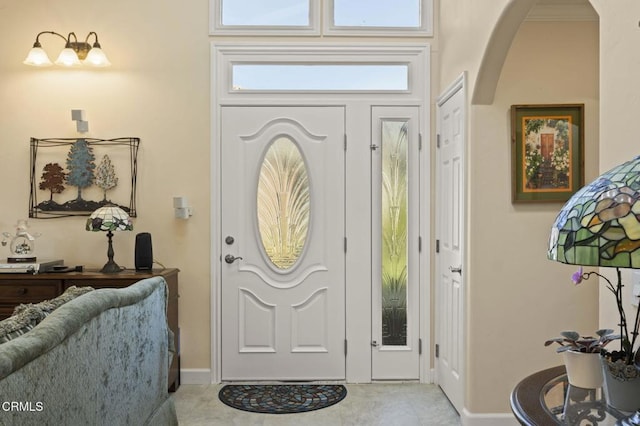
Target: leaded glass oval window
x,y
283,206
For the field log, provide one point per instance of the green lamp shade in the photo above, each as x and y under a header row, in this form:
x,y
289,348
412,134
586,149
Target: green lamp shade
x,y
600,224
109,218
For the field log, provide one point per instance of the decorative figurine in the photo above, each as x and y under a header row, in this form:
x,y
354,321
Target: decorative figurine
x,y
22,243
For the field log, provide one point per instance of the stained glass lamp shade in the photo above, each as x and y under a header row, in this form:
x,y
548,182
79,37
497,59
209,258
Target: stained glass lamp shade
x,y
109,219
600,224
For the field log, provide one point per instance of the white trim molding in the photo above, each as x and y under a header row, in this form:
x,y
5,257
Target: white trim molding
x,y
468,418
195,376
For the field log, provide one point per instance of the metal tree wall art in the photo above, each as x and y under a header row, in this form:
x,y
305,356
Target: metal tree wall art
x,y
92,186
106,178
80,164
52,179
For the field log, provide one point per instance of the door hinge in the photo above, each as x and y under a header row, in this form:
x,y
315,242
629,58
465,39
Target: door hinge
x,y
438,140
419,244
419,141
437,350
345,347
345,244
345,141
419,346
437,246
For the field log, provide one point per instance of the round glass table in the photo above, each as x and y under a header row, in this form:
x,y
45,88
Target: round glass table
x,y
546,398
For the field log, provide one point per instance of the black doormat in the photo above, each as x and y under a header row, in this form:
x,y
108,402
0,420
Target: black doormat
x,y
281,399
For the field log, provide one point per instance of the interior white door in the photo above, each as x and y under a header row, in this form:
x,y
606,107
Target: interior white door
x,y
450,237
283,260
395,243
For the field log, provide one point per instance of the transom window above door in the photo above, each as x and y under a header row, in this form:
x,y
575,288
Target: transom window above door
x,y
341,17
320,77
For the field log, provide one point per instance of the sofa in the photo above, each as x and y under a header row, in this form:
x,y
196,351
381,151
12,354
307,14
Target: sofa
x,y
100,358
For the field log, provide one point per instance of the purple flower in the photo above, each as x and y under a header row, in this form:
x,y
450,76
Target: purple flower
x,y
577,276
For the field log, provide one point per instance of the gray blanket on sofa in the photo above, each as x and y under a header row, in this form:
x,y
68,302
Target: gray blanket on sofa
x,y
100,359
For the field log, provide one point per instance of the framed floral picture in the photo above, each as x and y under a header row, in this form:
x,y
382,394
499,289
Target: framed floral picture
x,y
547,151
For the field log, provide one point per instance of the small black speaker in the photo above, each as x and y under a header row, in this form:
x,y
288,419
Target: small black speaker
x,y
144,252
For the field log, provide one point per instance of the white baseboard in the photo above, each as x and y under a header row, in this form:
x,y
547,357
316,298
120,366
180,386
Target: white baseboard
x,y
195,376
487,419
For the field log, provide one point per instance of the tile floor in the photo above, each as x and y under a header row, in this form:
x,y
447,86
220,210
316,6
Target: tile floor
x,y
398,404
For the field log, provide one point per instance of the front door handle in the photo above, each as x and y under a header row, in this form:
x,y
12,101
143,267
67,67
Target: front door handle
x,y
457,270
231,258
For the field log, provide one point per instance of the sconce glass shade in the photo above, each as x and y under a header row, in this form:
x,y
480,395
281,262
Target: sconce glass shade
x,y
97,58
109,218
37,57
68,58
600,224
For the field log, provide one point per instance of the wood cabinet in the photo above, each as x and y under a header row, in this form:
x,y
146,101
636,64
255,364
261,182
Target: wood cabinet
x,y
26,288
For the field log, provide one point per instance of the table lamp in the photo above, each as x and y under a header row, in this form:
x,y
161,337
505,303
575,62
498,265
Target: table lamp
x,y
108,219
600,226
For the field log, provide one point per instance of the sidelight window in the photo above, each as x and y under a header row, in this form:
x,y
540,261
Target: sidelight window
x,y
394,199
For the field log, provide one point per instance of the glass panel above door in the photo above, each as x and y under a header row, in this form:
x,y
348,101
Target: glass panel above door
x,y
379,13
320,77
256,13
283,203
394,201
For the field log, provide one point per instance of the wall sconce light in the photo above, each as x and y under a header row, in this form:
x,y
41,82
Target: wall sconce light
x,y
73,52
182,208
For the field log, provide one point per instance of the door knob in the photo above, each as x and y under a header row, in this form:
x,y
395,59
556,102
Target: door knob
x,y
231,258
457,270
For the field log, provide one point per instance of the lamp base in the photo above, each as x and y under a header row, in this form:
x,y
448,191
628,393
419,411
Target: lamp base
x,y
111,267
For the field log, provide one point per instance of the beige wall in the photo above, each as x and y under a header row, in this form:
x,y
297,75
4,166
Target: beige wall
x,y
158,90
465,26
516,298
620,107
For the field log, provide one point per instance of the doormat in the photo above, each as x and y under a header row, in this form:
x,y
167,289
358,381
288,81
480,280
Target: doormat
x,y
281,399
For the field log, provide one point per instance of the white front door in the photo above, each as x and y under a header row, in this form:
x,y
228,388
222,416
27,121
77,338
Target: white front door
x,y
283,233
450,236
395,237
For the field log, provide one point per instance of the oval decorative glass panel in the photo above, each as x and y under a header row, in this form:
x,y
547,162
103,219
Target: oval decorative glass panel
x,y
283,206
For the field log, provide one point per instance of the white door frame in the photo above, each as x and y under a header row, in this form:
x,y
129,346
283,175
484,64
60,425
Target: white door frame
x,y
358,256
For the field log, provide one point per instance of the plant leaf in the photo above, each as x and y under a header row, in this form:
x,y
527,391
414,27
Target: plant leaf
x,y
570,335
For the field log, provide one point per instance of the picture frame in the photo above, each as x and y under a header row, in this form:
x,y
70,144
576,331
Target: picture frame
x,y
76,176
547,152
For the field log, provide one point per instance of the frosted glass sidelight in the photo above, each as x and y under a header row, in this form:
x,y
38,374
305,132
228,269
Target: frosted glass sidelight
x,y
394,232
283,206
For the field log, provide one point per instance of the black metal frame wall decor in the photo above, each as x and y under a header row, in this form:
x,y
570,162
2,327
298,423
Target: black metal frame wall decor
x,y
93,167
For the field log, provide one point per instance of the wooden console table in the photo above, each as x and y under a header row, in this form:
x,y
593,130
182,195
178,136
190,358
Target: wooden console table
x,y
26,288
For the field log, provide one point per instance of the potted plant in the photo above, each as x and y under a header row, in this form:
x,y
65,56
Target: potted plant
x,y
621,368
582,356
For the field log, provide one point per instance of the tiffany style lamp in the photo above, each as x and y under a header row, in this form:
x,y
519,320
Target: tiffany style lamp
x,y
108,219
599,226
